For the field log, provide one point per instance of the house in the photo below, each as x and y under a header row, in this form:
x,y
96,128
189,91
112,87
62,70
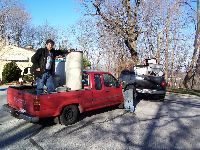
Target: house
x,y
22,56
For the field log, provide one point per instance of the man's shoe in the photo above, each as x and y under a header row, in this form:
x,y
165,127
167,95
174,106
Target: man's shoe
x,y
133,112
126,111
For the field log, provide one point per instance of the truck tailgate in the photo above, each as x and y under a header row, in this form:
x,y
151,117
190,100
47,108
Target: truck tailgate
x,y
149,82
20,100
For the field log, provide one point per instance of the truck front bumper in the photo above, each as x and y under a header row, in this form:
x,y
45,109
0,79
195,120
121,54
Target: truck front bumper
x,y
18,114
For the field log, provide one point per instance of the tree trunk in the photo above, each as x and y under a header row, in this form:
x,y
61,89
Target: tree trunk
x,y
191,72
166,55
126,29
172,65
158,48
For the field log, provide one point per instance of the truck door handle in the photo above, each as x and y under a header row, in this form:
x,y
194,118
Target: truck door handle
x,y
107,90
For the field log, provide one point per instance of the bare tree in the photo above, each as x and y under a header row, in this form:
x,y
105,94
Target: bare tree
x,y
44,32
13,19
143,27
29,36
194,71
120,17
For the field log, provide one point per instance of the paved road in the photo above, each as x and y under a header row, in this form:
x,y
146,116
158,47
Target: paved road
x,y
172,124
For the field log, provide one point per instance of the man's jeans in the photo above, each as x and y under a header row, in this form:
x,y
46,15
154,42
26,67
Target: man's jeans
x,y
45,79
131,99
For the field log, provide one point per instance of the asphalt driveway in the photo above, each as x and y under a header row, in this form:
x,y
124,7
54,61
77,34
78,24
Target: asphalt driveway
x,y
172,124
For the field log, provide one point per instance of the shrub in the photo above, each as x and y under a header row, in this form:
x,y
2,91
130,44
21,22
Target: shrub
x,y
86,63
11,72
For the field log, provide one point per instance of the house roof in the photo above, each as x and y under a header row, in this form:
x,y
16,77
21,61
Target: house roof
x,y
14,58
14,53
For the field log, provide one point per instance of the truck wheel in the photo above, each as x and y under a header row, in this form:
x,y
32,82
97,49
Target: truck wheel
x,y
69,115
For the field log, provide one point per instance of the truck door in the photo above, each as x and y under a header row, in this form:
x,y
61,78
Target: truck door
x,y
112,88
100,96
87,97
107,93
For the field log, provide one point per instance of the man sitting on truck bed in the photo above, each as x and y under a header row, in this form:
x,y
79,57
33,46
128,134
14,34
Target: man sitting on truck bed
x,y
44,66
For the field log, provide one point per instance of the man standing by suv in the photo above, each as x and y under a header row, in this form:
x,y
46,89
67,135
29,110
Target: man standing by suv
x,y
127,77
44,66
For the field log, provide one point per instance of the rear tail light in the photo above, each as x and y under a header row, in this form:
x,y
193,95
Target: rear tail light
x,y
163,84
36,104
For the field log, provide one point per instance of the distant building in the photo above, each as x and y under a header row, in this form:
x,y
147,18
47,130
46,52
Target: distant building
x,y
22,56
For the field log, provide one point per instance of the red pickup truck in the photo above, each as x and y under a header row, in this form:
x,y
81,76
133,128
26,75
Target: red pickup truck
x,y
100,89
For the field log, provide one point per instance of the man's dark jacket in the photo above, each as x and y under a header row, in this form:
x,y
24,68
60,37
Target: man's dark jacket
x,y
127,77
39,60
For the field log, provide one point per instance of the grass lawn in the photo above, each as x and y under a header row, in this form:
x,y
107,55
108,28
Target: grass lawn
x,y
184,91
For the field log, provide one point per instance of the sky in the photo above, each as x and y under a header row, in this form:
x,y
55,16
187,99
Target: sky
x,y
59,13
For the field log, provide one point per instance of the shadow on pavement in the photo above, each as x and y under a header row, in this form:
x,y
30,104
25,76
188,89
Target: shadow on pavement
x,y
7,139
82,123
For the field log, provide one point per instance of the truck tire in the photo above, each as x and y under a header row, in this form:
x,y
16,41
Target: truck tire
x,y
69,115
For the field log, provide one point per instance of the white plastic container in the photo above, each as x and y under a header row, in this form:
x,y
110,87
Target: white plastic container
x,y
73,68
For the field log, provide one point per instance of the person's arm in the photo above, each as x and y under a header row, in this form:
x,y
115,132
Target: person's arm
x,y
62,52
122,80
35,59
